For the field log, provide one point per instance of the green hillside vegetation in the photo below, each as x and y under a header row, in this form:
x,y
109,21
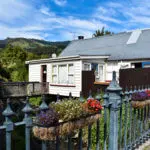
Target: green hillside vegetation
x,y
39,47
14,53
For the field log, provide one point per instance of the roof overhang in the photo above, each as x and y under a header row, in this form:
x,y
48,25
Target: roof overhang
x,y
68,58
131,60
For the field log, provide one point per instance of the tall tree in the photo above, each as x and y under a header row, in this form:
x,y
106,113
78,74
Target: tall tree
x,y
102,32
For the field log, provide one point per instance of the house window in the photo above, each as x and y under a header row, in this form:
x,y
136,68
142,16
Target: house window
x,y
54,74
70,74
101,72
63,74
87,66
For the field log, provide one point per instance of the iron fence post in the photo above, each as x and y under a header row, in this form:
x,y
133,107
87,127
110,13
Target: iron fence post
x,y
8,124
114,98
106,105
43,107
126,118
28,122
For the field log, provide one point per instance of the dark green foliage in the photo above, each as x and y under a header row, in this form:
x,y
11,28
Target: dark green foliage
x,y
12,63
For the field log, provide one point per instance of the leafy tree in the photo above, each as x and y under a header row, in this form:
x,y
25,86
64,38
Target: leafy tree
x,y
13,63
102,32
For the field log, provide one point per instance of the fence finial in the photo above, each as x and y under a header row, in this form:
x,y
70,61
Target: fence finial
x,y
98,95
70,95
113,84
105,97
81,99
43,106
27,108
57,98
135,89
126,90
8,112
90,95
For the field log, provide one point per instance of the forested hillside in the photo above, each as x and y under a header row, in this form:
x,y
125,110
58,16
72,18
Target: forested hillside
x,y
14,53
39,47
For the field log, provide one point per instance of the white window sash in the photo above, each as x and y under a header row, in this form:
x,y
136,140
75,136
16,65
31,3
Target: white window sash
x,y
89,64
101,65
67,74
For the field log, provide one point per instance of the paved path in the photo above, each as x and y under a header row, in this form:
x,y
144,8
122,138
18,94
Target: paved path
x,y
147,143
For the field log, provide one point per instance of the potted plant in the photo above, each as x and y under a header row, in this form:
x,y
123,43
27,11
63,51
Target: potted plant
x,y
64,117
46,123
139,99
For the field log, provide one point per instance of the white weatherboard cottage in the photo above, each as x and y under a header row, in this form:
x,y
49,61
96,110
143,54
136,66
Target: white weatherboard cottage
x,y
102,54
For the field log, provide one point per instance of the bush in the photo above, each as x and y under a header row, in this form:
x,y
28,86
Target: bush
x,y
35,101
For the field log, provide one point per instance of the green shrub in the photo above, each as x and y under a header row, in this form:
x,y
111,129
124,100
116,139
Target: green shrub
x,y
68,109
35,101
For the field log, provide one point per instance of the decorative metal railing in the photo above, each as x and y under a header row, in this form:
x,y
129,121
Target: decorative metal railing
x,y
123,127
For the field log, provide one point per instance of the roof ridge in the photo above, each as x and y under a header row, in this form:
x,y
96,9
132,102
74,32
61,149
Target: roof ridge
x,y
99,37
112,35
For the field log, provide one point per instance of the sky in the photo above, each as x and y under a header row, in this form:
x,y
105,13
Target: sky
x,y
60,20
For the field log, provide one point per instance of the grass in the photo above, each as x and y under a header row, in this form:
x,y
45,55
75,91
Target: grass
x,y
147,147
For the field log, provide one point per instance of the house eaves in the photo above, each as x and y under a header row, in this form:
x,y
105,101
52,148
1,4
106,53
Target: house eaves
x,y
68,58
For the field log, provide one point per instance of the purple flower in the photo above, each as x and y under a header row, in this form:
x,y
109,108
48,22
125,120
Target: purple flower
x,y
48,118
139,96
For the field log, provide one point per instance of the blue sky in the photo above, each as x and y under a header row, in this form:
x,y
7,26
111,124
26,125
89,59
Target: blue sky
x,y
55,20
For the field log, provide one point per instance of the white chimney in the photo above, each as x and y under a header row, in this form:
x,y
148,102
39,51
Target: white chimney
x,y
54,55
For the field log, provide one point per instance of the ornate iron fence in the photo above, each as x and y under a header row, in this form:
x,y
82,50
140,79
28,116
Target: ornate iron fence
x,y
124,127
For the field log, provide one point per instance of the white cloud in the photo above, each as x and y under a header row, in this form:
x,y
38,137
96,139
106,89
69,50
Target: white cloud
x,y
127,14
21,19
115,5
60,2
105,11
17,32
13,9
72,22
109,19
45,10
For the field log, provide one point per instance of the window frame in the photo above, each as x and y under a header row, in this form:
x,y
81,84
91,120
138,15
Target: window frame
x,y
68,74
98,73
103,75
90,66
55,74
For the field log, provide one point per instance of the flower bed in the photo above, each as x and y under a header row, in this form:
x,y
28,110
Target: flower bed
x,y
140,99
64,117
148,99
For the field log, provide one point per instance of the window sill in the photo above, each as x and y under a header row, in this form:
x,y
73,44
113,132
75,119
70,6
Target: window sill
x,y
102,83
63,85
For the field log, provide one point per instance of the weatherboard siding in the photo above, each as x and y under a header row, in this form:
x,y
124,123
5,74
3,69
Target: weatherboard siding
x,y
34,73
116,66
110,67
66,89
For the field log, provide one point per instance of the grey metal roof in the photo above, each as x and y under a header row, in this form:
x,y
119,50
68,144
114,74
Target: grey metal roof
x,y
114,45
